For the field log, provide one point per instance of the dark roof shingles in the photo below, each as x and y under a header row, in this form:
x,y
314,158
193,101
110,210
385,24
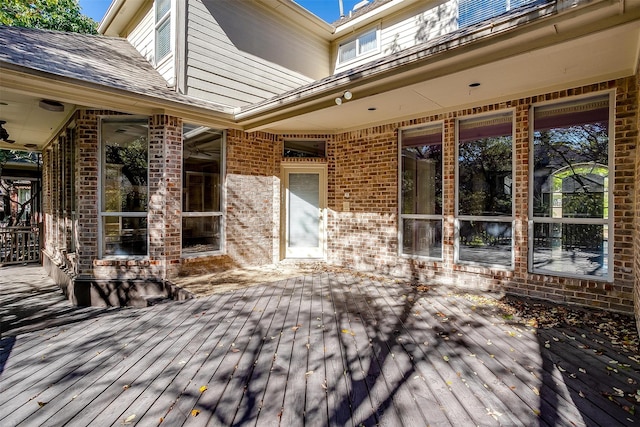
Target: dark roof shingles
x,y
106,61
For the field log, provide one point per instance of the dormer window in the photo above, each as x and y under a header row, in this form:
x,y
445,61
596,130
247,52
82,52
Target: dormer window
x,y
362,45
163,29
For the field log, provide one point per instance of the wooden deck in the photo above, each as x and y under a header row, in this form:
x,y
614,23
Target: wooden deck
x,y
326,349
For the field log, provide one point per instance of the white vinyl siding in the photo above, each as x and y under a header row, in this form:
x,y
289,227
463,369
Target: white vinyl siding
x,y
142,38
250,58
422,23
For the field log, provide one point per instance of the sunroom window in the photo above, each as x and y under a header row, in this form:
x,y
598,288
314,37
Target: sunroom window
x,y
570,195
421,191
124,187
484,191
360,46
202,190
163,29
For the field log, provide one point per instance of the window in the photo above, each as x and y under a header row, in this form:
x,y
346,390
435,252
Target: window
x,y
304,149
570,195
421,191
484,208
202,190
124,186
473,11
360,46
163,29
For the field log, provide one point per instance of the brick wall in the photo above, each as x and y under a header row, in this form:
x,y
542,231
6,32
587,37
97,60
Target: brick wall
x,y
636,234
252,198
366,236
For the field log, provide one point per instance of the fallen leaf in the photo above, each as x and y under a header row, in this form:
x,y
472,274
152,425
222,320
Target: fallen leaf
x,y
536,391
195,412
446,358
41,404
308,373
203,388
129,419
126,386
582,370
295,328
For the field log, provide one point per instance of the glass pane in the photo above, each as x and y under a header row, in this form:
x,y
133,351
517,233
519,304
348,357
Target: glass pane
x,y
368,42
125,166
304,210
474,11
485,242
162,7
577,249
347,51
200,234
422,171
125,235
202,168
163,40
422,237
305,149
484,166
570,157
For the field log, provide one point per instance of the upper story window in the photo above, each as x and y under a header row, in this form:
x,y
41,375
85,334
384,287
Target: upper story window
x,y
360,46
421,191
473,11
570,188
202,178
163,29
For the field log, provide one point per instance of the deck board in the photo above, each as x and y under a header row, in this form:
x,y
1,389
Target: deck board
x,y
331,348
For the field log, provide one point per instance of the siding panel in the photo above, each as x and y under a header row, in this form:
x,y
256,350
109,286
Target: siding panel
x,y
239,53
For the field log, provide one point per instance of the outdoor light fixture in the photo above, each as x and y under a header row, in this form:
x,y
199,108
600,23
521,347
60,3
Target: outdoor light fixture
x,y
50,105
345,96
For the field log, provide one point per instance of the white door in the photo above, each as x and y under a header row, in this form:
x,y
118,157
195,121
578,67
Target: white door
x,y
304,190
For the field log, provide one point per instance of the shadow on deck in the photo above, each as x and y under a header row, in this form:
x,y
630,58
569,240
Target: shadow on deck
x,y
329,348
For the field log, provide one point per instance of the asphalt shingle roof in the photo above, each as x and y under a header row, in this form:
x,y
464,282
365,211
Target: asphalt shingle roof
x,y
107,61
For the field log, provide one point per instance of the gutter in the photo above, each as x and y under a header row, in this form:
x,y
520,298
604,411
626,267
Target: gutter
x,y
114,9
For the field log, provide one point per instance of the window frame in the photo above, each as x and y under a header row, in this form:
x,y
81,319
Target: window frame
x,y
510,219
209,214
102,214
356,39
429,217
609,222
158,23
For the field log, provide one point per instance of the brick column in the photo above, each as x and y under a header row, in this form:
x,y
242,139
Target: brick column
x,y
635,121
87,190
521,189
165,190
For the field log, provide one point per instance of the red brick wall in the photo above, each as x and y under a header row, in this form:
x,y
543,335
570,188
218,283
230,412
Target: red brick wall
x,y
365,237
636,230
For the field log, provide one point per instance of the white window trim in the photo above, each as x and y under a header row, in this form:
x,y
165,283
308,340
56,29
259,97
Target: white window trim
x,y
360,56
402,216
503,219
101,213
223,205
609,221
157,23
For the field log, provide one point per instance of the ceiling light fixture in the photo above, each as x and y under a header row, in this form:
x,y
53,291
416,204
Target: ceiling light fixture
x,y
31,145
474,84
50,105
338,100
